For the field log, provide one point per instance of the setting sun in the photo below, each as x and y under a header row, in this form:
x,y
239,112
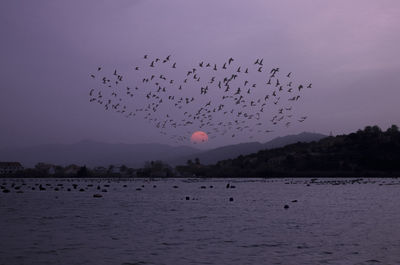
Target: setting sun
x,y
199,137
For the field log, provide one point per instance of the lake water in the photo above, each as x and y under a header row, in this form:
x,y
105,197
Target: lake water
x,y
332,221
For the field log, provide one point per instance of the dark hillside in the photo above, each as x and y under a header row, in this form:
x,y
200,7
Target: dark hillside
x,y
365,152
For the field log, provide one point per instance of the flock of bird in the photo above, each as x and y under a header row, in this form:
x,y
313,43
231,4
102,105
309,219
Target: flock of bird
x,y
226,99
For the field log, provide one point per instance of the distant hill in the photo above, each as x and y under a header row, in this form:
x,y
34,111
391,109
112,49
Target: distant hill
x,y
369,152
94,154
232,151
304,137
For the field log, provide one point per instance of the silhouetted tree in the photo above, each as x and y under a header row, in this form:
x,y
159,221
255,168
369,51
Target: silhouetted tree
x,y
82,172
123,168
393,129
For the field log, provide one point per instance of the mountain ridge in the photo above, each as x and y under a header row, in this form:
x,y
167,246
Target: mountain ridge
x,y
232,151
366,153
92,153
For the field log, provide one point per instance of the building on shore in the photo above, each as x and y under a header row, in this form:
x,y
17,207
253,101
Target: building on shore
x,y
7,168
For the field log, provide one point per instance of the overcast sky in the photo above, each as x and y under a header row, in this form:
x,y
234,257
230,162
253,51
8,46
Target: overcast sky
x,y
347,49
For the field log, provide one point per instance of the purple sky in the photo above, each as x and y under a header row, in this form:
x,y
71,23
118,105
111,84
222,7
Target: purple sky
x,y
347,49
